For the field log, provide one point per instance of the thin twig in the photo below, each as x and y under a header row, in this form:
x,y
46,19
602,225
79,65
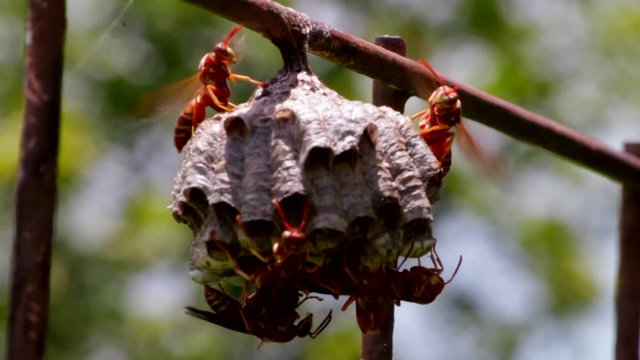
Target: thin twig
x,y
628,294
283,25
36,189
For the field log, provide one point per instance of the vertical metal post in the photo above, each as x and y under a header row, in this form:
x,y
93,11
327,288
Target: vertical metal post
x,y
379,346
628,294
35,196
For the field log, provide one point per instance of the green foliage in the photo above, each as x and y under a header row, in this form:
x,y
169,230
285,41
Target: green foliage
x,y
86,290
9,148
80,144
553,252
342,344
478,14
150,237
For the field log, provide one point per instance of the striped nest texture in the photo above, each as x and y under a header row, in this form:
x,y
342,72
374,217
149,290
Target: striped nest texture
x,y
362,170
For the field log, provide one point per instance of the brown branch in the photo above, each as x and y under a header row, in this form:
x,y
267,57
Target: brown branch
x,y
628,294
283,25
36,189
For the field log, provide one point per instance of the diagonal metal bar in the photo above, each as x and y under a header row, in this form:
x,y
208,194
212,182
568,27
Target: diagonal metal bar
x,y
283,25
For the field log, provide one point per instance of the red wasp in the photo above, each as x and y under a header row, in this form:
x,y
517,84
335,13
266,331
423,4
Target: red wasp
x,y
291,252
289,261
369,287
420,285
374,290
272,289
213,72
273,321
436,123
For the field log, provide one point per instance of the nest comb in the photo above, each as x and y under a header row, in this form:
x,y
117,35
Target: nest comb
x,y
363,170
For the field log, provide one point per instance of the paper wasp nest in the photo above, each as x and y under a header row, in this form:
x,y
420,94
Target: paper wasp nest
x,y
365,172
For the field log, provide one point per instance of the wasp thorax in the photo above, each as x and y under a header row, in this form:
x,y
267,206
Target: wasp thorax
x,y
206,62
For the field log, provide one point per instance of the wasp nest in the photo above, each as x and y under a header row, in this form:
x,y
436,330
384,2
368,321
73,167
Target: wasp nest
x,y
362,170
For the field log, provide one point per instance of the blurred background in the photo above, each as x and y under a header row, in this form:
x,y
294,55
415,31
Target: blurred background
x,y
539,243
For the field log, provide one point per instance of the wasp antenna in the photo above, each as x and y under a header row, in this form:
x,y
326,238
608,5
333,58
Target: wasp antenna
x,y
286,224
432,71
436,74
232,34
455,272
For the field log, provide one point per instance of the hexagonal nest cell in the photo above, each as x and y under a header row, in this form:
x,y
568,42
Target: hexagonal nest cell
x,y
362,170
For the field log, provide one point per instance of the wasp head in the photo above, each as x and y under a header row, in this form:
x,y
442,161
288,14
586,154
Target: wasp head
x,y
445,104
225,53
222,49
291,251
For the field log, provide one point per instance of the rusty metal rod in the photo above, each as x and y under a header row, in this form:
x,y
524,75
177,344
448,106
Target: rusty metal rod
x,y
628,294
379,346
283,25
35,196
